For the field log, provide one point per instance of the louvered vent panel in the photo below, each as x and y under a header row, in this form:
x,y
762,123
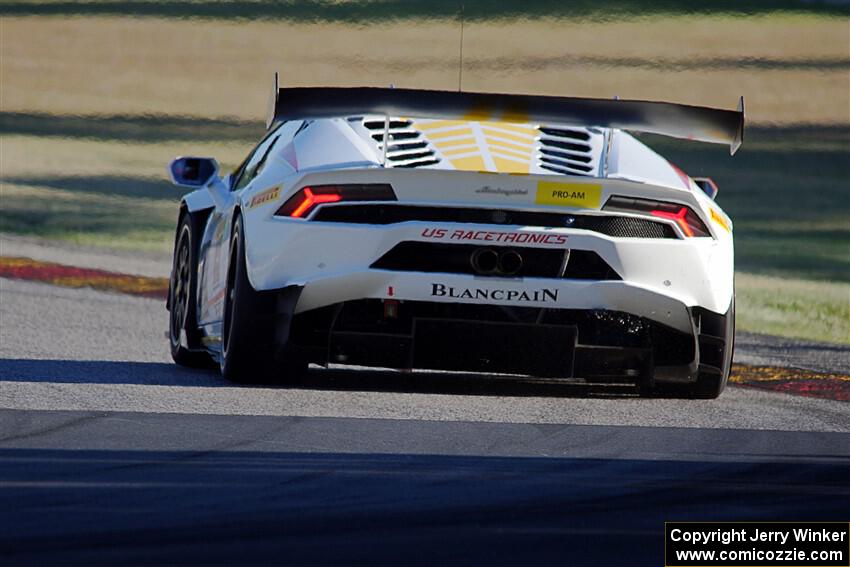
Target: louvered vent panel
x,y
406,146
569,151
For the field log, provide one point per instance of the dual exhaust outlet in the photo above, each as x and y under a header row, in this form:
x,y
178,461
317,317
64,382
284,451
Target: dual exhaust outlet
x,y
489,261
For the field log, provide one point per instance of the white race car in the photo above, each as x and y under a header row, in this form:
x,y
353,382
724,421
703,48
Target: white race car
x,y
459,231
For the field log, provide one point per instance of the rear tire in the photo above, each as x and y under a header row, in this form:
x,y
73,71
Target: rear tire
x,y
183,333
711,383
711,380
249,351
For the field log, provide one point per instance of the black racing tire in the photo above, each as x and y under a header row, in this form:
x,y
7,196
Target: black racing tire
x,y
249,352
711,380
710,385
184,337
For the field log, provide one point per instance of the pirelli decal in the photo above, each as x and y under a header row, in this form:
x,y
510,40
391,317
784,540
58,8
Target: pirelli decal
x,y
264,197
541,295
584,195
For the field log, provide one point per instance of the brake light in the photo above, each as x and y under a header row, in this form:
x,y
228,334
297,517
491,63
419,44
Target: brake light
x,y
310,200
306,199
687,220
678,217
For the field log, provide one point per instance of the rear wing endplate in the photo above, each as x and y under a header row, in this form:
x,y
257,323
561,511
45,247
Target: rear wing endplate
x,y
698,123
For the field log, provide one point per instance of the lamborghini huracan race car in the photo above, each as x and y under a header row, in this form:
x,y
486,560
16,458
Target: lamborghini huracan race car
x,y
459,231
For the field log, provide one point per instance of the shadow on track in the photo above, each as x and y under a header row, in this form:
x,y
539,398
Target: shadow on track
x,y
422,382
348,379
105,372
155,507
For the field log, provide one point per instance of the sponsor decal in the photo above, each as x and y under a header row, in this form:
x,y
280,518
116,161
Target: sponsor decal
x,y
265,197
495,236
720,219
501,191
542,295
586,195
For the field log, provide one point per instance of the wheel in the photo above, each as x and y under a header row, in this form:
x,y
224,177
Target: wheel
x,y
249,350
716,347
184,336
712,380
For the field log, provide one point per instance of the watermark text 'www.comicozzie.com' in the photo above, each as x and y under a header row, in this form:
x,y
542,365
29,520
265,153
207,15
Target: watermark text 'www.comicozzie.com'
x,y
762,544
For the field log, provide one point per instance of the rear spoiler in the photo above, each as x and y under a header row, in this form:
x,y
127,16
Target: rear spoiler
x,y
676,120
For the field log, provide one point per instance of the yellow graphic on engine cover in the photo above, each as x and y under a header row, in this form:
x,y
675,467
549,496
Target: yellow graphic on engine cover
x,y
470,145
585,195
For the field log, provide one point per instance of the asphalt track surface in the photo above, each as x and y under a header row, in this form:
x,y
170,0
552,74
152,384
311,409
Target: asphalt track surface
x,y
109,453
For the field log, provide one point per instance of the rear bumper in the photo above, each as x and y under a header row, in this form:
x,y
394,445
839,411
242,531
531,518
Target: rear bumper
x,y
601,331
596,345
337,262
506,292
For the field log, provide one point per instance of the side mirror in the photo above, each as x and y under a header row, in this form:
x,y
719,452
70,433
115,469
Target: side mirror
x,y
193,171
708,186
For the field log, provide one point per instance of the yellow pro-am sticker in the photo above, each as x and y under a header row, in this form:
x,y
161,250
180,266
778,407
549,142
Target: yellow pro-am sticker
x,y
585,195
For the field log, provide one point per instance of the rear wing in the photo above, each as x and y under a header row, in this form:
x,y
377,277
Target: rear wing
x,y
675,120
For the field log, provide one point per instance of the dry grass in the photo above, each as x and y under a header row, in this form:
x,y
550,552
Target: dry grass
x,y
216,68
31,156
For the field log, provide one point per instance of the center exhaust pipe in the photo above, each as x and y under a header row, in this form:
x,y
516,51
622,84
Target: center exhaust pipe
x,y
510,262
488,261
485,261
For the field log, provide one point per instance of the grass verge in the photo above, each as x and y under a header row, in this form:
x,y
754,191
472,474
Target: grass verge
x,y
793,308
126,223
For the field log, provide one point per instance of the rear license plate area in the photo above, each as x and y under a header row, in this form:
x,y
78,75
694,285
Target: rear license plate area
x,y
512,348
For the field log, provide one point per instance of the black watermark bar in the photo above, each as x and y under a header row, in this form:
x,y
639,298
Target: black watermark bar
x,y
757,544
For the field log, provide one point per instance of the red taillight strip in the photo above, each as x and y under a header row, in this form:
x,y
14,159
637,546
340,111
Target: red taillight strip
x,y
306,199
688,221
310,200
679,218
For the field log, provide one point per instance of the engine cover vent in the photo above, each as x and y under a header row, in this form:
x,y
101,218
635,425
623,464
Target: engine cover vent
x,y
569,151
406,146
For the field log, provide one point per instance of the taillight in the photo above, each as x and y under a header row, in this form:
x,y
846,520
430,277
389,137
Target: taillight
x,y
306,199
682,215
